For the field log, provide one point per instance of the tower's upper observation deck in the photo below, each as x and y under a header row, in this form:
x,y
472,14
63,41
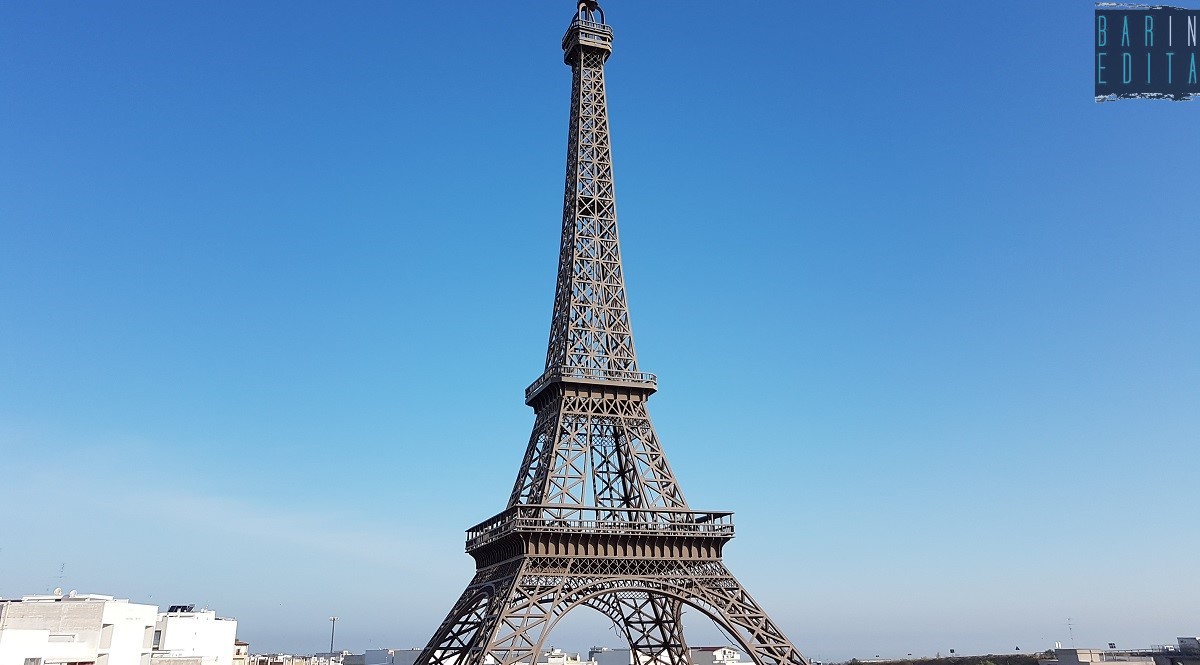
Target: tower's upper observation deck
x,y
588,29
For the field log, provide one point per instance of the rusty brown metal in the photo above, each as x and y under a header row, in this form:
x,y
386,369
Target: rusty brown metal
x,y
596,518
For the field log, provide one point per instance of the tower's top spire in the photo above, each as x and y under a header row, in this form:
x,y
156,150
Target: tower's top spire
x,y
589,10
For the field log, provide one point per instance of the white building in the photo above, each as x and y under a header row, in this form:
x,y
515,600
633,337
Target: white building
x,y
1159,655
89,628
551,656
241,652
697,655
559,657
402,657
184,636
1085,656
294,659
390,656
714,655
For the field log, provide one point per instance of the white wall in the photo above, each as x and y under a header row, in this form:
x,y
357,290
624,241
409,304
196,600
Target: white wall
x,y
196,635
131,633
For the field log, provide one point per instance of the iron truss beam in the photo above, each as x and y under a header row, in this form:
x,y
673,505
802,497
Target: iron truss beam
x,y
596,518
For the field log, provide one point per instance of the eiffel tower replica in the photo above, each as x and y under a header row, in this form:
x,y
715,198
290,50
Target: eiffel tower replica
x,y
596,518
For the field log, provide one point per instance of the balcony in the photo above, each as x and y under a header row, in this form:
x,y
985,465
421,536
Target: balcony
x,y
587,33
591,375
608,521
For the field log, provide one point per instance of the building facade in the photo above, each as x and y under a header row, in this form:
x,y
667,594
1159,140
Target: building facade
x,y
241,653
550,656
696,656
1167,655
185,636
75,629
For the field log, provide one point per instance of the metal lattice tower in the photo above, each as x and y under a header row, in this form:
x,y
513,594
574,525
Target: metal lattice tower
x,y
596,517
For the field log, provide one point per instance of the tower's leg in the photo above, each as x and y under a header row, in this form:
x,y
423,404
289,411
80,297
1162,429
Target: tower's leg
x,y
645,598
472,619
505,612
743,618
526,616
651,623
508,610
655,629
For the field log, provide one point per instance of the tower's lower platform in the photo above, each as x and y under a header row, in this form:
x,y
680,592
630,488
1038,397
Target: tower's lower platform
x,y
561,531
638,567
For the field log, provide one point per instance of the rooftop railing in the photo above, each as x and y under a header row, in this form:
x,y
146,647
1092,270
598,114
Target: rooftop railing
x,y
615,521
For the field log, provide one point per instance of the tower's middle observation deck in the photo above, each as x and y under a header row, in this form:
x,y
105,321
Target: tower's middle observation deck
x,y
564,377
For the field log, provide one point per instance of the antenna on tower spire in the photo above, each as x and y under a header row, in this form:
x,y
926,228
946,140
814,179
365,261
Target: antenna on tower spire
x,y
590,11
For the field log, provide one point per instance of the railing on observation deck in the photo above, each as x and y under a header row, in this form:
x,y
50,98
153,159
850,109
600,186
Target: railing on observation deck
x,y
559,518
589,31
590,374
590,25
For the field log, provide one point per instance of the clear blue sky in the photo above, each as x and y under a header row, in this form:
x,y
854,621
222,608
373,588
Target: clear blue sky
x,y
274,275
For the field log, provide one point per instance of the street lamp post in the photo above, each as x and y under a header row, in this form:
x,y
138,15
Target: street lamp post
x,y
332,628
